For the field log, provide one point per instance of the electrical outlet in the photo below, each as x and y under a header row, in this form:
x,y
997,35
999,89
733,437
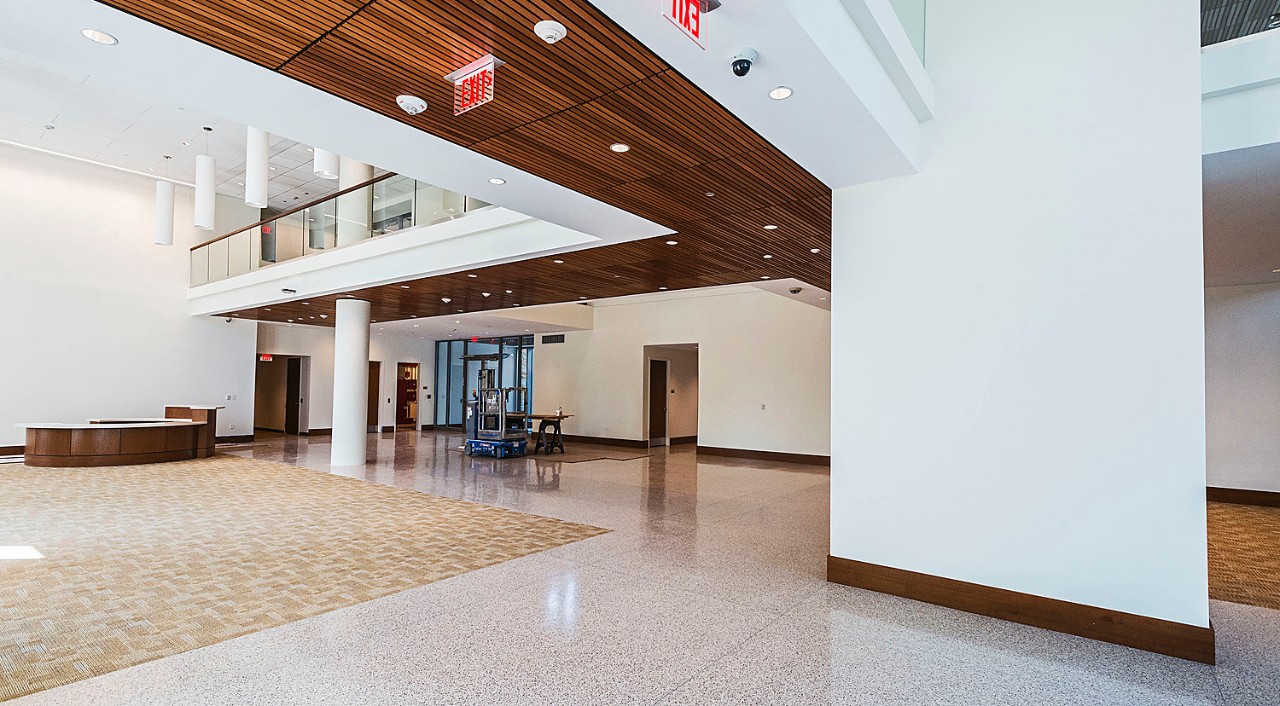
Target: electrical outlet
x,y
233,426
761,408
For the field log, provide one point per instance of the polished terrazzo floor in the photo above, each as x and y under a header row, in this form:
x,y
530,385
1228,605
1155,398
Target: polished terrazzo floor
x,y
709,590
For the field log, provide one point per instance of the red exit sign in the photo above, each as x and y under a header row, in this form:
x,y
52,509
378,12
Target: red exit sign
x,y
473,84
265,357
687,15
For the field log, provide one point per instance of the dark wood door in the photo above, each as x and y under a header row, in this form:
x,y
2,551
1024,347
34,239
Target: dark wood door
x,y
292,395
371,416
657,402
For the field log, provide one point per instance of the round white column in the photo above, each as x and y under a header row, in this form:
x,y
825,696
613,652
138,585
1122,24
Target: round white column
x,y
350,382
354,209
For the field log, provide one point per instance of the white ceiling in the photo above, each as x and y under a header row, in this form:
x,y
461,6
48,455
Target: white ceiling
x,y
47,107
172,70
1242,216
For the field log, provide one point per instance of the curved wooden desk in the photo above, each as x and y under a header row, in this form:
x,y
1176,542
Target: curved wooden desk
x,y
123,442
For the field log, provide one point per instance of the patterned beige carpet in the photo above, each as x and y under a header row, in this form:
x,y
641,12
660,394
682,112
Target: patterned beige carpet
x,y
1244,554
143,562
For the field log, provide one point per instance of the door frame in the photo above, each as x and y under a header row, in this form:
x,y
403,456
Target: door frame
x,y
666,401
417,383
373,415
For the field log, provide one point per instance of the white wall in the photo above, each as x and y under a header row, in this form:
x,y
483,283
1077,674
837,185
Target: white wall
x,y
1019,328
1242,352
94,315
385,347
755,349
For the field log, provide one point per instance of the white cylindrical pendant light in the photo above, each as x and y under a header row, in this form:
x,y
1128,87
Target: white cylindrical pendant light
x,y
164,213
255,168
325,164
205,169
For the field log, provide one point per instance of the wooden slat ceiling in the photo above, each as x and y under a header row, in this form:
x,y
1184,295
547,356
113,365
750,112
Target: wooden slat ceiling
x,y
557,110
1224,20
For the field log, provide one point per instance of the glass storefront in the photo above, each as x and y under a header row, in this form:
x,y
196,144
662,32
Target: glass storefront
x,y
456,378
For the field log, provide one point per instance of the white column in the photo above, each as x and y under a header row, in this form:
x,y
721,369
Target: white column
x,y
350,382
205,194
354,208
1018,378
256,167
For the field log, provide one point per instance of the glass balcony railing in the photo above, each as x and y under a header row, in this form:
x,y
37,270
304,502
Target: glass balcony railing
x,y
384,205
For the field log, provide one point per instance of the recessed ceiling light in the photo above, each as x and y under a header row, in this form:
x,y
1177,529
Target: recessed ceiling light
x,y
771,227
620,147
239,183
582,297
711,193
484,294
404,286
764,276
290,320
526,330
815,251
1273,21
267,309
672,242
272,168
508,291
472,276
768,257
417,325
446,300
662,289
461,310
324,316
780,93
99,36
822,299
558,262
306,303
497,181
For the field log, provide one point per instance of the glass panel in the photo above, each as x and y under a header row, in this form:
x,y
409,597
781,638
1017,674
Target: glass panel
x,y
393,204
911,14
218,260
526,375
238,254
267,238
442,382
199,266
472,203
290,237
322,226
456,384
353,215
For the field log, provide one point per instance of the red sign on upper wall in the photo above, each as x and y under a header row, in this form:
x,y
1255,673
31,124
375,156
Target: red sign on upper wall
x,y
687,15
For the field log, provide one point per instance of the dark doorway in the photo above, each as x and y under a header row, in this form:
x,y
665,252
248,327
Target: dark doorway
x,y
293,395
657,402
375,375
406,395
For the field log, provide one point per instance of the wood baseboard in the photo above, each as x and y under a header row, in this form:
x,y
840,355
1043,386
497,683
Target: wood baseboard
x,y
810,459
1151,634
604,441
389,430
678,440
239,439
316,432
1241,496
12,450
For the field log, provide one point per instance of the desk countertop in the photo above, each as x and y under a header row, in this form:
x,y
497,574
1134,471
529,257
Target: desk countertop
x,y
138,425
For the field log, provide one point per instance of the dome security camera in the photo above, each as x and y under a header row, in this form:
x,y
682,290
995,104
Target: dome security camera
x,y
743,60
794,290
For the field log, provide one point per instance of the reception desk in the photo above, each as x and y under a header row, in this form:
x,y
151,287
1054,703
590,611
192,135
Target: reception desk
x,y
185,432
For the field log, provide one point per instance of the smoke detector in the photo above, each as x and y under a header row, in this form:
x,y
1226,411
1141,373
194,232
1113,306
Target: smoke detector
x,y
550,31
411,104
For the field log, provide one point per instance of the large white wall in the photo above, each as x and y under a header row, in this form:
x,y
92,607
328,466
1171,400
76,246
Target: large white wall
x,y
1020,386
316,342
94,315
763,370
1242,351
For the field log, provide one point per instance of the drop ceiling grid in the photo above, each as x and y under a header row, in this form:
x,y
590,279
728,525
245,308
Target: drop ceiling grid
x,y
1224,20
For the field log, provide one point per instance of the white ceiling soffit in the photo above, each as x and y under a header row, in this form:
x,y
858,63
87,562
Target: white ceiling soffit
x,y
464,326
169,69
808,294
847,122
1241,190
